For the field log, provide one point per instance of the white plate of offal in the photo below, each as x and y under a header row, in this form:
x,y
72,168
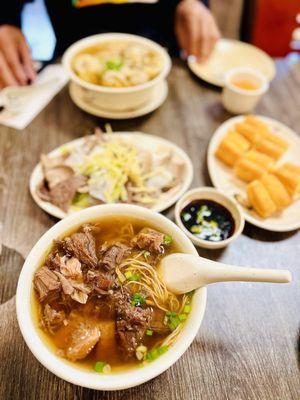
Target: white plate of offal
x,y
256,160
229,54
120,167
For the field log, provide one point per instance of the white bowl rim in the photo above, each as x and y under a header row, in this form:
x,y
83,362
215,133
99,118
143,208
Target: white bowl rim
x,y
75,375
102,37
250,71
240,222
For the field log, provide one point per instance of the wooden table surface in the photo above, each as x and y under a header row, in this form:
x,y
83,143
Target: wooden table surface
x,y
247,347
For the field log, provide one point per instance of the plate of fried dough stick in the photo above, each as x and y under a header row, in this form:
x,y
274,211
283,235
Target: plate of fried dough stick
x,y
256,160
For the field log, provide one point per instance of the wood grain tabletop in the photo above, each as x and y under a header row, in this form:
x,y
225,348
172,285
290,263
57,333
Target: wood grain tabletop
x,y
248,344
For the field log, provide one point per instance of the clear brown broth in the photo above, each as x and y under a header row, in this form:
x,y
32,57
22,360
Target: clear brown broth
x,y
107,349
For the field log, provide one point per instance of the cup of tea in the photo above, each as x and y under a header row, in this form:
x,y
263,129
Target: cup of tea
x,y
243,88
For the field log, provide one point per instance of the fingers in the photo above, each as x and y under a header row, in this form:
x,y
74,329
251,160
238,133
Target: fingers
x,y
7,77
26,60
196,29
14,63
208,37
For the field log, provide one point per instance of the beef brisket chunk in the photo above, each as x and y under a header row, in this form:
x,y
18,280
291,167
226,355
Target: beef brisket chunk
x,y
131,322
113,255
81,245
101,282
149,239
47,284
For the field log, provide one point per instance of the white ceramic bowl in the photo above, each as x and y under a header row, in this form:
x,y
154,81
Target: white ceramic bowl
x,y
110,98
64,369
209,193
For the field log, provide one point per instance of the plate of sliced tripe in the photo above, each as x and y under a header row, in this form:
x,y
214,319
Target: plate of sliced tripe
x,y
256,160
115,167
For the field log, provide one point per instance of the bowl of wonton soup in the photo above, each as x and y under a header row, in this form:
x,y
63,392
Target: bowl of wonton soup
x,y
69,371
116,71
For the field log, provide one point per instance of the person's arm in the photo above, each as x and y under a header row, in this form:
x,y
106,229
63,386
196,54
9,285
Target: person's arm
x,y
15,60
196,29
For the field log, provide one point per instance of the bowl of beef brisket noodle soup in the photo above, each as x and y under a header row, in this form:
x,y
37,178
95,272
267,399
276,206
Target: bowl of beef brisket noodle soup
x,y
91,304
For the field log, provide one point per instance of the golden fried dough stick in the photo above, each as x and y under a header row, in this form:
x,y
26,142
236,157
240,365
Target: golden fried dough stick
x,y
260,199
276,190
289,176
248,170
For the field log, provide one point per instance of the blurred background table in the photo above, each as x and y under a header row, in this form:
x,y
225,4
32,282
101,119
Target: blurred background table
x,y
247,347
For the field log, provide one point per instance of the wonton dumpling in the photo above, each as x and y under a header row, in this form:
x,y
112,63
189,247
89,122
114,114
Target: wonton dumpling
x,y
114,78
260,199
248,170
87,67
276,190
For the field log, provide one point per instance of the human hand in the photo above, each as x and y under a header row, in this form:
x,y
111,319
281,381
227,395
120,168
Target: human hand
x,y
16,66
196,29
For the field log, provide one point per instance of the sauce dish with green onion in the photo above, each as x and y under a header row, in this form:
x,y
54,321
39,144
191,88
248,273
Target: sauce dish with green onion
x,y
209,218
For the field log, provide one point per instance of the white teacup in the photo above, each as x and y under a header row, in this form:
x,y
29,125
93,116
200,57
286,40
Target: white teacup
x,y
243,88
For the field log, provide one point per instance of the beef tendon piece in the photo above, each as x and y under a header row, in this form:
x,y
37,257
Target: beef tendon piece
x,y
132,323
52,319
82,246
46,283
113,256
77,339
149,239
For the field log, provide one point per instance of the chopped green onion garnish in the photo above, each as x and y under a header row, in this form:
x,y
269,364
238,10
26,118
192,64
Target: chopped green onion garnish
x,y
196,229
115,65
138,300
187,309
155,353
131,276
168,240
149,332
182,317
186,217
172,320
98,367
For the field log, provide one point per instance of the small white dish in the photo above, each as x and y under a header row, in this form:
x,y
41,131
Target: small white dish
x,y
208,193
158,97
229,54
238,100
113,98
223,177
62,368
142,140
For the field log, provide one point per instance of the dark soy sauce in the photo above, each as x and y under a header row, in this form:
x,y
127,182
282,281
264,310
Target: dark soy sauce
x,y
208,220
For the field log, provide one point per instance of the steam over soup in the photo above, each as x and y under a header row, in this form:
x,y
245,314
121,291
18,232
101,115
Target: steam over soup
x,y
117,64
99,301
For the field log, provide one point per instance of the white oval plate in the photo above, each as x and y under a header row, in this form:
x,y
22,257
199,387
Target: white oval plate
x,y
159,96
229,54
144,140
223,178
